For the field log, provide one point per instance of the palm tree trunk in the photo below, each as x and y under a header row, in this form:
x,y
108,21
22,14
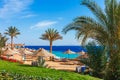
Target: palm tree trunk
x,y
50,46
11,42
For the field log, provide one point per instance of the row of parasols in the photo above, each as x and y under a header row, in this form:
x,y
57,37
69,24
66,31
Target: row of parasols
x,y
39,52
20,54
23,51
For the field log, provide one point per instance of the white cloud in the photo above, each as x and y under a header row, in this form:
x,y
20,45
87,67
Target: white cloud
x,y
29,15
43,24
13,7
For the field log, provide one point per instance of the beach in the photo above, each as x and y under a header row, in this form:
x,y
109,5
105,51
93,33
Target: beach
x,y
27,56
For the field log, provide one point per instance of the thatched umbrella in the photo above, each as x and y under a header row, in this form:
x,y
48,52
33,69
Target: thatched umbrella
x,y
83,56
25,51
8,52
69,52
43,52
17,57
81,52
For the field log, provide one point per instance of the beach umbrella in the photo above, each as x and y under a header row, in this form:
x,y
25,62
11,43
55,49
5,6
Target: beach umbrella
x,y
17,57
43,52
69,52
8,52
85,55
25,51
81,52
15,50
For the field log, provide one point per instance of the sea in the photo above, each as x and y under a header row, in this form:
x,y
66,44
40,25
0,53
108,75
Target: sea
x,y
59,51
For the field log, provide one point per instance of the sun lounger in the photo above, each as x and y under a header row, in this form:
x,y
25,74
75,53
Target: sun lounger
x,y
64,60
60,60
80,68
67,63
56,60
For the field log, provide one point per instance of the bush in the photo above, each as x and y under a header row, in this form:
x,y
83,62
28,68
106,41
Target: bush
x,y
40,62
96,60
4,75
11,60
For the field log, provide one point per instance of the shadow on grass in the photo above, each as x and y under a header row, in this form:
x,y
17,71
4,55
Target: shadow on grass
x,y
24,65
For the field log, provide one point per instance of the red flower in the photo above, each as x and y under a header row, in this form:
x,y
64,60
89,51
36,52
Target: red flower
x,y
11,60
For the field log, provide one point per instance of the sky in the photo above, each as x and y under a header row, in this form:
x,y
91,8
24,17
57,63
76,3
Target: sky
x,y
33,17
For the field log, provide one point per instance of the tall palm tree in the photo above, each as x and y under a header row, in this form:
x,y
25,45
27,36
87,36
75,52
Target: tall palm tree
x,y
12,32
51,35
104,29
3,40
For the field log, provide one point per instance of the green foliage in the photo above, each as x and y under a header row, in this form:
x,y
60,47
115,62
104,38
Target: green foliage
x,y
4,75
113,68
12,32
104,29
51,35
3,40
96,61
41,62
43,72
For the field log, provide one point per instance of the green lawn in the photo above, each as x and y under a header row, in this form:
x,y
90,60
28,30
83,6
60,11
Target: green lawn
x,y
43,72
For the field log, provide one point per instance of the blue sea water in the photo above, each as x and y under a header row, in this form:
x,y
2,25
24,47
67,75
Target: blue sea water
x,y
59,50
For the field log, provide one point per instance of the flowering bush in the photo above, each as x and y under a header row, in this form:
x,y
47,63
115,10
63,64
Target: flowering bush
x,y
10,60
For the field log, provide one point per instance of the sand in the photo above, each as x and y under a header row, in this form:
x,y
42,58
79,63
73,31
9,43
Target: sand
x,y
61,65
69,66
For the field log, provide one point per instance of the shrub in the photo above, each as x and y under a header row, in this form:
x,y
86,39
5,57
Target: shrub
x,y
96,60
40,62
4,75
11,60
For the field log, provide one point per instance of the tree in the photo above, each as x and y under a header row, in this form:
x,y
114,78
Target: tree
x,y
12,32
3,40
104,29
51,35
96,60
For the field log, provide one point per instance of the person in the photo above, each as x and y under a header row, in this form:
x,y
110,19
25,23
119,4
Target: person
x,y
78,69
24,57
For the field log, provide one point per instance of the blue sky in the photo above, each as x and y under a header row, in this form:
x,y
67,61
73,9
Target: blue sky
x,y
33,17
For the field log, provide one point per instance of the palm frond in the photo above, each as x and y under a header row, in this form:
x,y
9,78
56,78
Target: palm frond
x,y
96,10
12,31
51,34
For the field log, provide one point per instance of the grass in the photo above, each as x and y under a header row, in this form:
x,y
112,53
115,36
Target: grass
x,y
42,72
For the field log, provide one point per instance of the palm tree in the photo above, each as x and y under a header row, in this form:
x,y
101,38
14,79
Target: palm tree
x,y
51,35
3,40
104,29
12,32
